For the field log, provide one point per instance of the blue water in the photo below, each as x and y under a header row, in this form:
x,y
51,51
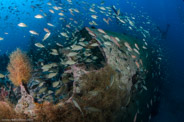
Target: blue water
x,y
158,12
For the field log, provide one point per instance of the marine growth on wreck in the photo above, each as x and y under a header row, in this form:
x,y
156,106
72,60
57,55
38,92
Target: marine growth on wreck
x,y
83,61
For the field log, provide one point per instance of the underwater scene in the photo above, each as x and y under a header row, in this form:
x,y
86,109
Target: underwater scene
x,y
92,60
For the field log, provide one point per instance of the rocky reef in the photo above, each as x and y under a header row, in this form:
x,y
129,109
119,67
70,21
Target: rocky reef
x,y
97,76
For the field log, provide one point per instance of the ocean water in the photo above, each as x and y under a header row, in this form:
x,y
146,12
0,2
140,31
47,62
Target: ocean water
x,y
94,60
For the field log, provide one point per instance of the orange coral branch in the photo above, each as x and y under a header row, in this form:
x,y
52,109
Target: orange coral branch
x,y
19,68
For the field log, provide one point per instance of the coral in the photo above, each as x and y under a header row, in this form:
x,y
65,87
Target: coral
x,y
103,105
19,68
7,112
3,94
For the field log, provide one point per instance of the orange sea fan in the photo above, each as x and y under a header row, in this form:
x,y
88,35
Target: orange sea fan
x,y
19,68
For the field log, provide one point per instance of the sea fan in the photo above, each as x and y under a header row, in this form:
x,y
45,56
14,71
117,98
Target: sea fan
x,y
19,68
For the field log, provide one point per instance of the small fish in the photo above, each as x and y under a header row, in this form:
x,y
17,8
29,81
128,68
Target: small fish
x,y
59,45
22,25
137,64
105,20
118,12
2,76
102,8
72,54
49,4
136,46
39,45
70,62
77,105
136,51
61,14
46,36
77,47
76,10
49,24
42,90
64,34
135,117
41,84
144,87
50,92
46,30
107,43
94,16
39,16
92,10
55,84
51,11
128,46
101,31
51,75
33,32
94,44
55,8
1,38
133,56
54,53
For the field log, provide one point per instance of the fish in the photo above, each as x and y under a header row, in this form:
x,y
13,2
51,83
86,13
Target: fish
x,y
115,41
94,16
137,64
76,10
70,62
54,53
77,47
55,84
94,44
101,31
2,76
55,8
64,34
77,105
60,14
39,45
41,84
46,36
51,11
60,90
92,10
59,44
107,43
71,54
51,75
1,38
105,20
38,16
49,24
102,8
46,30
42,90
128,46
50,92
33,32
22,25
136,51
133,56
137,46
135,117
144,87
47,67
49,4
